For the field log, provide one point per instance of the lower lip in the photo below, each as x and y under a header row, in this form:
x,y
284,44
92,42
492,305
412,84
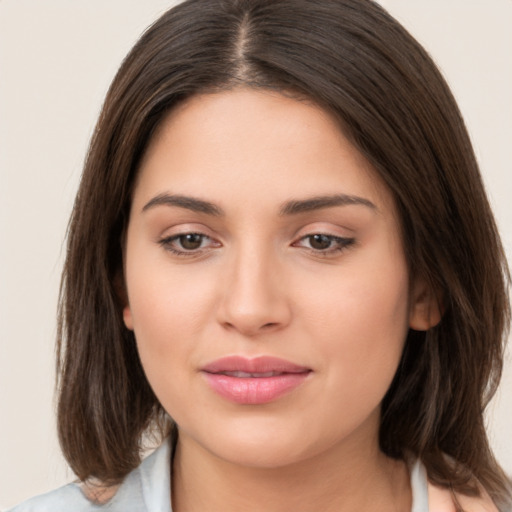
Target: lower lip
x,y
254,390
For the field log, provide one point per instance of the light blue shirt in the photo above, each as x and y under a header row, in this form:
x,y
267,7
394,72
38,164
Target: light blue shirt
x,y
148,489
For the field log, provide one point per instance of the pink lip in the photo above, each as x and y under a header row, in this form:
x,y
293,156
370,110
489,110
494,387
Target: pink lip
x,y
223,376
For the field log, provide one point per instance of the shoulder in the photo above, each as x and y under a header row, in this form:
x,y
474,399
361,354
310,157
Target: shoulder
x,y
442,500
64,499
77,497
145,488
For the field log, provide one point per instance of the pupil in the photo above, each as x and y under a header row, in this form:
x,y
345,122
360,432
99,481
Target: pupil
x,y
320,241
191,241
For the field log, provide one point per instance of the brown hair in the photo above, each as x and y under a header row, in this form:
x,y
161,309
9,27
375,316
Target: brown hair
x,y
354,60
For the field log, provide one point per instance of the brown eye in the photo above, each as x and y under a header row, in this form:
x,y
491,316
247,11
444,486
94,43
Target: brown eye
x,y
320,242
190,241
189,244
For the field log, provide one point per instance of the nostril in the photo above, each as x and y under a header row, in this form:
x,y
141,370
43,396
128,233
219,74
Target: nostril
x,y
252,328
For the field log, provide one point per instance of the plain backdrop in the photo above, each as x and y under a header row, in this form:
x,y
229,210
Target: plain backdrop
x,y
57,59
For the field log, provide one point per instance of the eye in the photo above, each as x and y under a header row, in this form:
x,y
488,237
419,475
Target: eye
x,y
323,244
190,241
187,244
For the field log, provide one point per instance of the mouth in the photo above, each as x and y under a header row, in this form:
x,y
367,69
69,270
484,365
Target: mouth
x,y
247,375
254,381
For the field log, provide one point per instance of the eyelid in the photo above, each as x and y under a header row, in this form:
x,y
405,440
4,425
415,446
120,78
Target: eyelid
x,y
339,242
184,228
167,242
170,241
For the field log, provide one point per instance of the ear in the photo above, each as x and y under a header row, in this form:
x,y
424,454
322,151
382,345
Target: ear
x,y
127,317
425,309
122,296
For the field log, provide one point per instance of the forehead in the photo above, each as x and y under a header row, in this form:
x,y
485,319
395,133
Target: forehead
x,y
257,141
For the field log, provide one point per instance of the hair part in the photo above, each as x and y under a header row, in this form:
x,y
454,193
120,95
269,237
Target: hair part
x,y
355,61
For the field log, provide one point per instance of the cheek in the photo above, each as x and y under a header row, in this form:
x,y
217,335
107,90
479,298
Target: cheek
x,y
360,320
165,297
171,308
166,323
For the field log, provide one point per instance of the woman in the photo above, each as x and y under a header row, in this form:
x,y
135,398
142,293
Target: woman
x,y
281,241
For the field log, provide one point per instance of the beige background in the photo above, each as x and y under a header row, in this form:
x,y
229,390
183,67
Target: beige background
x,y
57,58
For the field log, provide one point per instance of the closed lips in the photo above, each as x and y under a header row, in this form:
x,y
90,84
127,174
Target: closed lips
x,y
254,381
246,375
256,367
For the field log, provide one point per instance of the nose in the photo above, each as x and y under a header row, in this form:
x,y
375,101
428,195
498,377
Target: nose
x,y
255,299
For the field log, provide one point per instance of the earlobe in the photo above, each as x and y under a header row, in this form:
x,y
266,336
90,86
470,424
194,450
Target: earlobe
x,y
120,288
425,311
127,317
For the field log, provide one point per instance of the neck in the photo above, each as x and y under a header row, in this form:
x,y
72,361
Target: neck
x,y
342,480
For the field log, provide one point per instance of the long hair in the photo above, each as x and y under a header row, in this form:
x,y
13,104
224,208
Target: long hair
x,y
354,60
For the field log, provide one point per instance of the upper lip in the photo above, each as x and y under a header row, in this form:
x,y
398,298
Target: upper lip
x,y
261,364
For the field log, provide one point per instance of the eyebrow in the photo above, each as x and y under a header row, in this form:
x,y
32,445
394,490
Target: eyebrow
x,y
187,202
292,207
295,207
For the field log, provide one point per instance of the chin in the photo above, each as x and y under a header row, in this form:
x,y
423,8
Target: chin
x,y
268,444
274,454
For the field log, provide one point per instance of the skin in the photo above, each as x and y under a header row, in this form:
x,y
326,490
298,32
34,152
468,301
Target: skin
x,y
258,284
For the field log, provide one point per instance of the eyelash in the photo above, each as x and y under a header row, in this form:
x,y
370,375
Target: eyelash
x,y
341,244
168,244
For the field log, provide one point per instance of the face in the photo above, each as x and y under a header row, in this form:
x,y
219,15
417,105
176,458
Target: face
x,y
266,281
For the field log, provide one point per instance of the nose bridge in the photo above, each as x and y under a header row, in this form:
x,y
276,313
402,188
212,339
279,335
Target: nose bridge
x,y
253,300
